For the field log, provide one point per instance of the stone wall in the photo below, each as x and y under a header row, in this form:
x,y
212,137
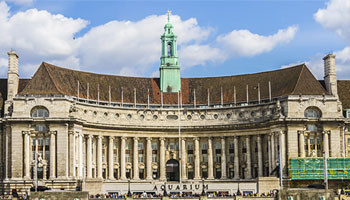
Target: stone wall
x,y
265,184
301,194
59,195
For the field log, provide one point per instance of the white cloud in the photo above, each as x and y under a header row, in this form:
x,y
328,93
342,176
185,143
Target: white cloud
x,y
193,55
120,47
315,64
37,36
245,43
135,46
336,17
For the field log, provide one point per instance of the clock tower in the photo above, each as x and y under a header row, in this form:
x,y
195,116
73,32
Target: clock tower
x,y
170,80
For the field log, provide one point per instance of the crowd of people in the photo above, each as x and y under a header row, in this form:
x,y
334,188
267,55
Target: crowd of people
x,y
182,195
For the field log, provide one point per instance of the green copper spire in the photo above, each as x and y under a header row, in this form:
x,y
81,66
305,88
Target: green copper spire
x,y
170,80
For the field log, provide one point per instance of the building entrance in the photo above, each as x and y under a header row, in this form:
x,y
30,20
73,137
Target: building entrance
x,y
172,170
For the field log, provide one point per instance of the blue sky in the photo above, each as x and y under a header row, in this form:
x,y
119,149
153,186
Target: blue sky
x,y
216,38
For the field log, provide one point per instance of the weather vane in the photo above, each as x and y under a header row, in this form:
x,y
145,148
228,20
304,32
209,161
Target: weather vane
x,y
169,12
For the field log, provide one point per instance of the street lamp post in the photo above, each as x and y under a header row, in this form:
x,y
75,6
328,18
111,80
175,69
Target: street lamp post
x,y
165,194
203,191
25,190
238,193
129,193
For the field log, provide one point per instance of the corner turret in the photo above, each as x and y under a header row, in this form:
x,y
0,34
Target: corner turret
x,y
330,76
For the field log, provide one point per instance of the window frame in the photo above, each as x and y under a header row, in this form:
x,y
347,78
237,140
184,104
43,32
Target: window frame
x,y
39,112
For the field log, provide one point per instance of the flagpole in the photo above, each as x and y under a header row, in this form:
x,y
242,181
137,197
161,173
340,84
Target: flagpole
x,y
325,170
180,143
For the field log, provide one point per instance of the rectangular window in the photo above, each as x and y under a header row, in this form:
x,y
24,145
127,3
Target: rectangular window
x,y
115,145
204,158
141,158
40,141
127,158
218,158
231,145
190,158
189,146
127,147
218,173
204,146
127,172
47,142
140,146
232,157
231,173
142,173
172,146
154,158
218,145
205,173
154,146
190,173
115,158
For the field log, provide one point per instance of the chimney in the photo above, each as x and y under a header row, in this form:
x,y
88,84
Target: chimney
x,y
330,77
12,75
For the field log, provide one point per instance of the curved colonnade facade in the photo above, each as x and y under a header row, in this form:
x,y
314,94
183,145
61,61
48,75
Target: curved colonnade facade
x,y
97,132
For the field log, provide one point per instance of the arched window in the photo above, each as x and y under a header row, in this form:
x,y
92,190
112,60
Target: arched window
x,y
40,112
169,50
312,112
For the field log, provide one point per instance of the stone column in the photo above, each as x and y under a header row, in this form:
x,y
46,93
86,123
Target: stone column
x,y
249,162
122,158
89,156
260,159
269,153
72,153
282,151
52,155
325,143
162,159
210,158
301,144
277,151
136,158
223,158
149,158
99,156
236,160
26,154
183,159
111,159
196,161
273,161
80,155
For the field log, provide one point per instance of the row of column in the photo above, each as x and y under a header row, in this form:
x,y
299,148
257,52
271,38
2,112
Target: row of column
x,y
272,148
80,168
27,149
303,134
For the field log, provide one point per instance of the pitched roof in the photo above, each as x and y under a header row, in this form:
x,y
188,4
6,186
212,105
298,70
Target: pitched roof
x,y
344,93
50,79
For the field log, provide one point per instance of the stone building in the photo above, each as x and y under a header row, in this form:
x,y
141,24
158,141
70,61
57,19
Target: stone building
x,y
97,132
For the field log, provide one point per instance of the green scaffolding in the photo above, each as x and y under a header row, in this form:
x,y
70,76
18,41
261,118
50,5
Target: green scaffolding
x,y
313,168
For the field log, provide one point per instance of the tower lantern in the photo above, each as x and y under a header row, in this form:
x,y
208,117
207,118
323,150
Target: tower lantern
x,y
170,80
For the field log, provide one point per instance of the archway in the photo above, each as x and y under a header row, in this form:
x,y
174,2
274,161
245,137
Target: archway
x,y
172,170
